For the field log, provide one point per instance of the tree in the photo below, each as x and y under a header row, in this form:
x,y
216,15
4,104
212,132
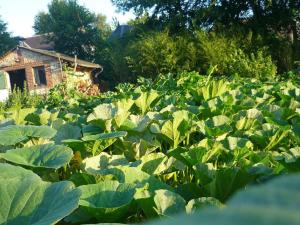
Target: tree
x,y
6,41
72,27
102,26
277,21
176,14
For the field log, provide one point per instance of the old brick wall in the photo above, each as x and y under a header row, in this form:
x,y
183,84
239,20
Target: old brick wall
x,y
9,60
26,59
52,64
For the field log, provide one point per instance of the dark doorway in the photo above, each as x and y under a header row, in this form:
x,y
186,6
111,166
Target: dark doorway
x,y
17,78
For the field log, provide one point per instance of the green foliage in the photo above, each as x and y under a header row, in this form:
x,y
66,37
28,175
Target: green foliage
x,y
271,203
276,22
40,156
19,99
7,42
28,200
181,144
157,52
80,35
231,58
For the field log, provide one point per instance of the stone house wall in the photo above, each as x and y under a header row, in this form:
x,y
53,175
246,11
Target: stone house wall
x,y
26,59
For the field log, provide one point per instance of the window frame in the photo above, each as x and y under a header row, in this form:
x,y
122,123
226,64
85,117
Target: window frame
x,y
36,72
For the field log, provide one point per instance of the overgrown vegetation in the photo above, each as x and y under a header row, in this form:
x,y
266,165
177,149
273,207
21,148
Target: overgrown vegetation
x,y
178,144
7,42
249,38
160,145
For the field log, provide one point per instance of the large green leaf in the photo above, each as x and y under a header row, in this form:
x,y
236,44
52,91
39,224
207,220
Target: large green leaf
x,y
67,131
270,136
99,142
216,126
19,115
248,119
213,89
145,100
212,107
168,203
178,128
277,202
103,112
153,163
43,156
14,134
289,158
100,163
107,201
26,199
104,136
133,175
123,107
200,203
135,147
137,123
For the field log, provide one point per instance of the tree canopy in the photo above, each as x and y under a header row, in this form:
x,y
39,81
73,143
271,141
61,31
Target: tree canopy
x,y
72,27
7,42
276,21
179,14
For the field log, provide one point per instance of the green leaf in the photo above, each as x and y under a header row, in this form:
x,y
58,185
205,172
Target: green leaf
x,y
248,119
213,89
277,202
19,115
216,126
145,100
234,143
290,159
123,107
100,163
14,134
104,136
42,156
67,131
107,201
26,199
178,128
137,123
103,112
82,179
270,136
201,203
168,203
153,163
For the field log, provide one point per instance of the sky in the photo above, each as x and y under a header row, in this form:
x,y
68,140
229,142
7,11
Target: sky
x,y
19,14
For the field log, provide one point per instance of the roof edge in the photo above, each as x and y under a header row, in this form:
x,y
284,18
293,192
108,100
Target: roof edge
x,y
57,55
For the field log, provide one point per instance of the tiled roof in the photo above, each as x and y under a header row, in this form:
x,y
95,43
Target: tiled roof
x,y
63,57
39,42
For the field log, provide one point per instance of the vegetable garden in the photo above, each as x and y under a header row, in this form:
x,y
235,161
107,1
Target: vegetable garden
x,y
216,151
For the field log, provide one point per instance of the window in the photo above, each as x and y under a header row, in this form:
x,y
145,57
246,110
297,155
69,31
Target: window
x,y
40,76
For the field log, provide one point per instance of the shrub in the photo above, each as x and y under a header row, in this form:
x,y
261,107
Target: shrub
x,y
231,58
23,99
157,52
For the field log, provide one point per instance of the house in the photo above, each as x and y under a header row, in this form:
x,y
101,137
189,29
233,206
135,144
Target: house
x,y
39,42
35,63
120,32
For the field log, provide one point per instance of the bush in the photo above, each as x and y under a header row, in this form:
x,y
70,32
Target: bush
x,y
150,53
23,99
231,58
157,52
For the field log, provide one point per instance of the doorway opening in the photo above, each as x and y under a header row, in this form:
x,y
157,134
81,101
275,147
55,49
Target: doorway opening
x,y
17,78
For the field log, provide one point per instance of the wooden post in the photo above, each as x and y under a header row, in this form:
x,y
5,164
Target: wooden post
x,y
75,66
